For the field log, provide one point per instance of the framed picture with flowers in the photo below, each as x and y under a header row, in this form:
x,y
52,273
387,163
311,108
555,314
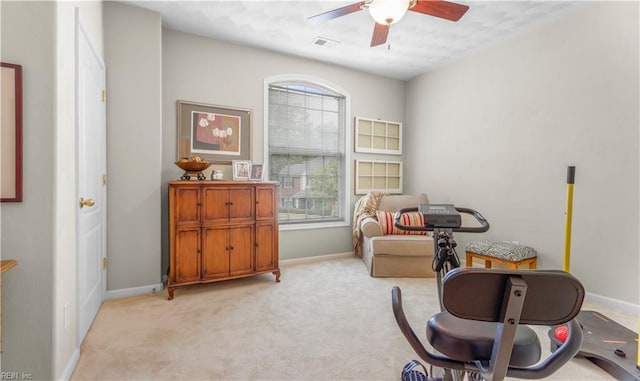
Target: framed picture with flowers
x,y
215,133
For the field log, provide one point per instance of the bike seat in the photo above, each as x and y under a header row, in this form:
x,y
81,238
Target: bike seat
x,y
483,327
466,340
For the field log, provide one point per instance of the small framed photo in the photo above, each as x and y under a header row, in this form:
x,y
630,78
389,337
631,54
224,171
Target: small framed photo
x,y
256,172
241,169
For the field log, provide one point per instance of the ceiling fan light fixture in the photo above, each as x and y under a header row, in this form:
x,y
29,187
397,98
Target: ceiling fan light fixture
x,y
387,12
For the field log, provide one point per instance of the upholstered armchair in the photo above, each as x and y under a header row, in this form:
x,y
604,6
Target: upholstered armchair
x,y
386,250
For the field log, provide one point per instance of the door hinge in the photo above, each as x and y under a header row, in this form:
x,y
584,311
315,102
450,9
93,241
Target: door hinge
x,y
104,179
104,263
104,95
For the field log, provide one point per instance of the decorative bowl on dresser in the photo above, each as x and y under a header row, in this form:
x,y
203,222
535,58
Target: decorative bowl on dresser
x,y
193,167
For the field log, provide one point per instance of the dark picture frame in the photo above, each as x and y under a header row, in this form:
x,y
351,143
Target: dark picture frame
x,y
218,134
11,133
256,172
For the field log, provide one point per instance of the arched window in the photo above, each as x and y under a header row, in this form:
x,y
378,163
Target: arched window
x,y
306,140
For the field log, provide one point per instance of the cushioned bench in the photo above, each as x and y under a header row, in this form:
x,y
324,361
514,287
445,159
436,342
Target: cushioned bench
x,y
506,253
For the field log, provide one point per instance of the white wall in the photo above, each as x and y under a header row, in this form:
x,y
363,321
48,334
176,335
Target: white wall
x,y
40,232
27,290
497,130
134,146
209,71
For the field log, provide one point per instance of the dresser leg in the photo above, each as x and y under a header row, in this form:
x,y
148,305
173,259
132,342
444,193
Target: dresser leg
x,y
277,274
170,289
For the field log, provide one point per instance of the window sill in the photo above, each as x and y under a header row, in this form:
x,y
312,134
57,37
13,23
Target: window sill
x,y
317,225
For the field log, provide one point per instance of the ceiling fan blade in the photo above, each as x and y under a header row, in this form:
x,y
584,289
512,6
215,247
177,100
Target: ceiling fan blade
x,y
440,8
337,12
380,33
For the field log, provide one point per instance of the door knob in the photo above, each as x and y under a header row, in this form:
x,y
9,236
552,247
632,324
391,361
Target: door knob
x,y
88,202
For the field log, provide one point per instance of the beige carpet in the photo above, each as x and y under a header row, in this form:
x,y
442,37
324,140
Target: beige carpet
x,y
326,320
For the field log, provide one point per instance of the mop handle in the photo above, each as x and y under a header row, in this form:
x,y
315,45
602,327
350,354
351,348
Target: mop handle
x,y
571,175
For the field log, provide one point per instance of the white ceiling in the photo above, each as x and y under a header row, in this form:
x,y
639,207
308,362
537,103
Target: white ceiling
x,y
418,42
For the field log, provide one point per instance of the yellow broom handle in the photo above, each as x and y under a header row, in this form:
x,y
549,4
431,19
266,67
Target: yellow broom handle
x,y
571,175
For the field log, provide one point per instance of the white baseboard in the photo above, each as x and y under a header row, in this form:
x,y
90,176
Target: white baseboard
x,y
613,303
317,258
133,291
71,366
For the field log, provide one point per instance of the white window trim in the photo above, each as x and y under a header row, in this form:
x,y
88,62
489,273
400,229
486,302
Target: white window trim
x,y
347,141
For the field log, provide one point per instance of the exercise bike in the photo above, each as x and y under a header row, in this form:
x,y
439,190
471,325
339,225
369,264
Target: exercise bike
x,y
481,330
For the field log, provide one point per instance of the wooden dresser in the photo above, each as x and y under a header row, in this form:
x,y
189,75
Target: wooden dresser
x,y
221,230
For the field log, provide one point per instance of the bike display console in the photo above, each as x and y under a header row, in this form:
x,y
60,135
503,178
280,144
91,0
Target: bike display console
x,y
440,216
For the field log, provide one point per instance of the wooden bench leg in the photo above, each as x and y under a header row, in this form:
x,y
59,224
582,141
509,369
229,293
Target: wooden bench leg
x,y
488,263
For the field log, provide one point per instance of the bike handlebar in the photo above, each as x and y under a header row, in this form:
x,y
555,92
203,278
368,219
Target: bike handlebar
x,y
484,224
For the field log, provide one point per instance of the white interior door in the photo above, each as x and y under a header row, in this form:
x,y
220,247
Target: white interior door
x,y
91,125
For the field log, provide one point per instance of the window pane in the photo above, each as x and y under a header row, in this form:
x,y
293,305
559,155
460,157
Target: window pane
x,y
296,99
305,153
330,122
331,104
314,102
310,186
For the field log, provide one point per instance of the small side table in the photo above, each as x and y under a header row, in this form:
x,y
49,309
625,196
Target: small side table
x,y
5,265
506,253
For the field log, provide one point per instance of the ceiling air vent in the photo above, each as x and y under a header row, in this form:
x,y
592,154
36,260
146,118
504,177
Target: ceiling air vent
x,y
327,43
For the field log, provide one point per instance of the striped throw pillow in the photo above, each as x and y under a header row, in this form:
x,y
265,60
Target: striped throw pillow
x,y
408,219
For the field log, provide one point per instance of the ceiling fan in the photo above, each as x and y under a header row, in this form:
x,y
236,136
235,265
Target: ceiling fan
x,y
388,12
